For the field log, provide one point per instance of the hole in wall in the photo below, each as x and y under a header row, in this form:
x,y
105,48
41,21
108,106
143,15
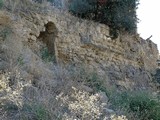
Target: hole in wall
x,y
48,37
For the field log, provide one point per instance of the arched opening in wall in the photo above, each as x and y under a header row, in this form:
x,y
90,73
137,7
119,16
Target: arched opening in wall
x,y
48,37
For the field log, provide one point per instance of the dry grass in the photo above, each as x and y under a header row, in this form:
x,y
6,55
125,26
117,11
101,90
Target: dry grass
x,y
11,92
82,105
49,100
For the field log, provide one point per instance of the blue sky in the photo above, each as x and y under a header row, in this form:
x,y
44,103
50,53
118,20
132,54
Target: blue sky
x,y
149,15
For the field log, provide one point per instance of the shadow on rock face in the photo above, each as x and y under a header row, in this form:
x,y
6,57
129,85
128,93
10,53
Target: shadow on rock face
x,y
48,37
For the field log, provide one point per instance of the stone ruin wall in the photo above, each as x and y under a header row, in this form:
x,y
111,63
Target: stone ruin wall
x,y
127,60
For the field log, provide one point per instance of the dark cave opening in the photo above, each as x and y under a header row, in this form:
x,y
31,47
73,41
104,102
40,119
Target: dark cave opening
x,y
48,37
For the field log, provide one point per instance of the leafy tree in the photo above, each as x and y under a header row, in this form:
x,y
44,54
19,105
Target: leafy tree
x,y
81,8
118,14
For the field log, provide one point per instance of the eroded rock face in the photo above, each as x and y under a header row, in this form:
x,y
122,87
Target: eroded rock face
x,y
127,60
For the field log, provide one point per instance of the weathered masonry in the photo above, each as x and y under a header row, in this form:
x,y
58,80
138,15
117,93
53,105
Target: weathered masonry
x,y
128,59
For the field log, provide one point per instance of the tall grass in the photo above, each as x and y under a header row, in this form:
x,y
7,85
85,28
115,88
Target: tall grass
x,y
62,98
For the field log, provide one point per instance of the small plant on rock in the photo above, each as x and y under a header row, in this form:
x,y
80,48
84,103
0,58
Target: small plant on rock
x,y
6,31
46,56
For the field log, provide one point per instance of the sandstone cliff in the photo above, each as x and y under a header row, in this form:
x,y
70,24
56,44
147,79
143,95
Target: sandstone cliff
x,y
127,61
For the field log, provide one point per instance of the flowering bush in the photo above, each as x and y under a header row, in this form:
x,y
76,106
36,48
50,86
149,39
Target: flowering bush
x,y
82,105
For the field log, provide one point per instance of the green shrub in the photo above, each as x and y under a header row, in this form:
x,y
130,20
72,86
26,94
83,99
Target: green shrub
x,y
119,14
140,104
91,79
34,111
5,32
46,56
81,7
156,76
1,4
20,60
10,107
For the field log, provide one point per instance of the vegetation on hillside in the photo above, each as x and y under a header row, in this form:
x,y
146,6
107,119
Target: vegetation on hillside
x,y
1,4
119,15
27,101
71,92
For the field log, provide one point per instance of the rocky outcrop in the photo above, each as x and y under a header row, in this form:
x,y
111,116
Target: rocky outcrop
x,y
127,60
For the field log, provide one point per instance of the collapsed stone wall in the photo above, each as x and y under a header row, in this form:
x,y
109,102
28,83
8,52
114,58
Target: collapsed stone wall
x,y
127,60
